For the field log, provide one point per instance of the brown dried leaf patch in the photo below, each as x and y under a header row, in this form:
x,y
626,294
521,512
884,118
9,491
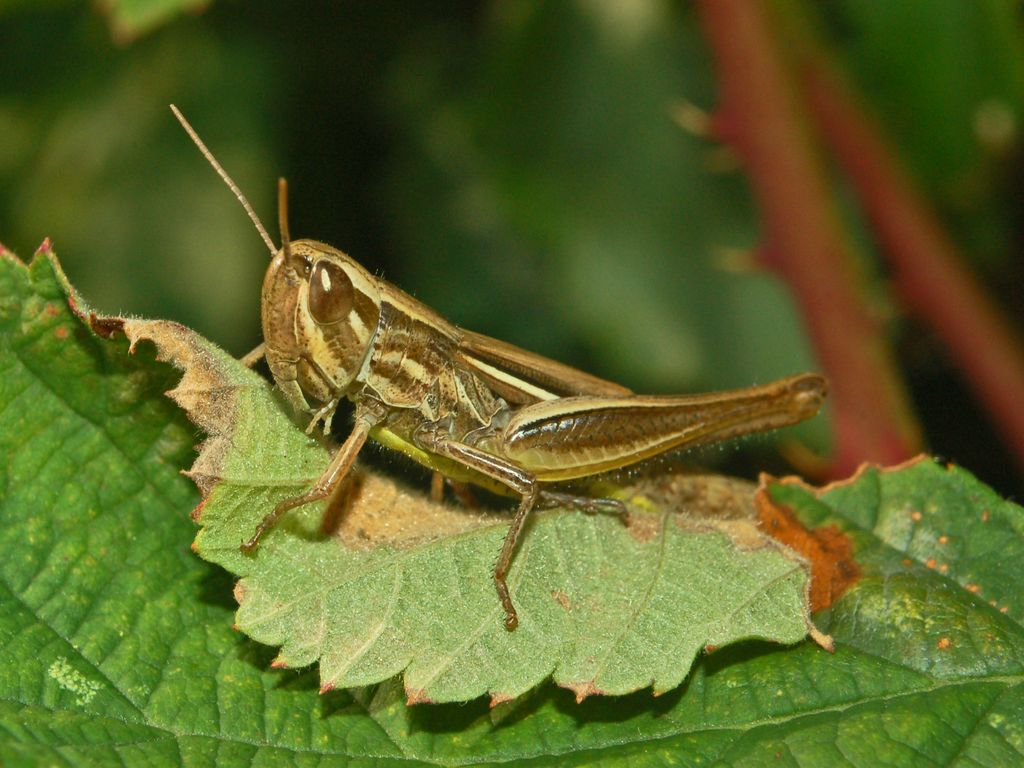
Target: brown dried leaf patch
x,y
643,526
374,510
827,549
699,496
204,393
700,502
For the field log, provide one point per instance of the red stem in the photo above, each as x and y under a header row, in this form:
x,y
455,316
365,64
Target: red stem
x,y
760,116
928,271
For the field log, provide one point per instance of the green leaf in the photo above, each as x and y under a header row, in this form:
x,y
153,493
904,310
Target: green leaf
x,y
939,604
116,642
115,639
406,586
941,583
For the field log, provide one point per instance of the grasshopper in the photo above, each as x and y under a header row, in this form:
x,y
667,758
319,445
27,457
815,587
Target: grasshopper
x,y
472,408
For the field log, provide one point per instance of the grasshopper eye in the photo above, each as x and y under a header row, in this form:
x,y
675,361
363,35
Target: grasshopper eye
x,y
330,293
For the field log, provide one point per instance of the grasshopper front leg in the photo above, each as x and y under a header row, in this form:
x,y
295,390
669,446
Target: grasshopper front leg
x,y
337,470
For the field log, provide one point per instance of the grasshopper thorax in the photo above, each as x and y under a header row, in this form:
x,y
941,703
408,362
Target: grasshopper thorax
x,y
320,311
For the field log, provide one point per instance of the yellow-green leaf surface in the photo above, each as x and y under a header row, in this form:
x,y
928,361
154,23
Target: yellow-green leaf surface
x,y
116,641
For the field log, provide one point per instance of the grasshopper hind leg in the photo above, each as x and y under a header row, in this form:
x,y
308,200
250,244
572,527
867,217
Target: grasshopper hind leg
x,y
533,498
508,549
524,483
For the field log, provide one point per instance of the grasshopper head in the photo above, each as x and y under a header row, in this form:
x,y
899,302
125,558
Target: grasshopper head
x,y
320,310
319,307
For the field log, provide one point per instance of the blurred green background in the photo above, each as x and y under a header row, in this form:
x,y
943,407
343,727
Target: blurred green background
x,y
513,164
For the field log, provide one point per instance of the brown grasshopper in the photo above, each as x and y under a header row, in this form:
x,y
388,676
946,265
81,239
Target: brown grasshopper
x,y
465,405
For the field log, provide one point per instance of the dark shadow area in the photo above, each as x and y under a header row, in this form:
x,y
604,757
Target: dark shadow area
x,y
453,718
216,588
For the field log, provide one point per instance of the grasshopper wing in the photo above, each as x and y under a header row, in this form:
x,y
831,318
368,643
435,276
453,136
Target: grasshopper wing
x,y
523,377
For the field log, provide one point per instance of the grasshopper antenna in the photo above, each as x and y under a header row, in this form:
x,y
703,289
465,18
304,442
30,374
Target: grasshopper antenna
x,y
227,180
282,218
